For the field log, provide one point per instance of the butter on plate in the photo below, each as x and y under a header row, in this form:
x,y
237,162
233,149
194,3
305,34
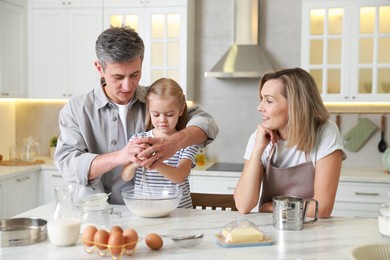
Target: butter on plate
x,y
242,235
241,231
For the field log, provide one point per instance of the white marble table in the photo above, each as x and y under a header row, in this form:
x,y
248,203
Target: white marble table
x,y
327,239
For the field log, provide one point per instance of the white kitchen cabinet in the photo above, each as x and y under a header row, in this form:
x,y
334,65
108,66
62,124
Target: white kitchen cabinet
x,y
22,193
62,47
13,49
213,185
359,199
51,179
3,199
345,45
167,29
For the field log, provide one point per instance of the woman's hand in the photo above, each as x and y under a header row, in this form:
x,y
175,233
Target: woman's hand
x,y
267,207
264,136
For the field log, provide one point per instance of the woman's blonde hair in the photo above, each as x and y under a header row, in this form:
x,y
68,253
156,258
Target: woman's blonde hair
x,y
306,111
165,87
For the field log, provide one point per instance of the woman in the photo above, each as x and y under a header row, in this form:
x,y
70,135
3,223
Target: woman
x,y
295,151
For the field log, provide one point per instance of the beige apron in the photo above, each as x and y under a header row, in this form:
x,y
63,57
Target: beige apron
x,y
297,180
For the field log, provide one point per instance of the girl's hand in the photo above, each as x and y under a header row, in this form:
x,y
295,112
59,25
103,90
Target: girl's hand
x,y
128,172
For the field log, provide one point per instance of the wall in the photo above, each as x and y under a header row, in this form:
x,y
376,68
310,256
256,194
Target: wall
x,y
232,102
7,129
38,119
23,118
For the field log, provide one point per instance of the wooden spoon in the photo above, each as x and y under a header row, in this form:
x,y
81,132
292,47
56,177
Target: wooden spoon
x,y
382,146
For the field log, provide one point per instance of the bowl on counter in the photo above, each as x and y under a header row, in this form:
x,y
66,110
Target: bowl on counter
x,y
371,252
152,202
22,231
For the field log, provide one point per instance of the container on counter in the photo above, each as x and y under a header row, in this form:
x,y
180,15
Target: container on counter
x,y
200,158
384,220
100,216
95,210
63,226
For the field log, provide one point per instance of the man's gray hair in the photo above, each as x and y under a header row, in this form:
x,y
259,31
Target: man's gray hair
x,y
118,45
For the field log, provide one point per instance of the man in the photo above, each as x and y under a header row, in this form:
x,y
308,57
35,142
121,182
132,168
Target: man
x,y
92,147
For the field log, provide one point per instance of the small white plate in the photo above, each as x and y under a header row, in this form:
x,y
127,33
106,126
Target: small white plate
x,y
371,252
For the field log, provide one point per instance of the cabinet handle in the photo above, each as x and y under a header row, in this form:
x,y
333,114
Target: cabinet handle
x,y
63,3
230,188
56,176
367,193
69,3
23,179
5,94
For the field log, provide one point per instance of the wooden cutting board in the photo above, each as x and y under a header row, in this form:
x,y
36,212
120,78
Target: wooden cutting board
x,y
20,163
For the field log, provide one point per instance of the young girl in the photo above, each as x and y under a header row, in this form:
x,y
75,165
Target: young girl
x,y
167,114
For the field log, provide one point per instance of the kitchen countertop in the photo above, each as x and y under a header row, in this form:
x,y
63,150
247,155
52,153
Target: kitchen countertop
x,y
326,239
373,175
233,170
11,171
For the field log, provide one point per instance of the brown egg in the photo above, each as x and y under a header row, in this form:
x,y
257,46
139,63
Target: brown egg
x,y
88,235
116,241
116,228
154,241
131,236
101,236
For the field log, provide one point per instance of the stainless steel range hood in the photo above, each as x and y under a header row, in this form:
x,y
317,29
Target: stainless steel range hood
x,y
245,58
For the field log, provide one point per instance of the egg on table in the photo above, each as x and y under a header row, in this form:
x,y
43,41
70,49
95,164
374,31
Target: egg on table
x,y
131,236
116,228
101,238
88,235
116,241
154,241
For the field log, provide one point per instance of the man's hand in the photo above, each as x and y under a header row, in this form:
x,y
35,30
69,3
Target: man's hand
x,y
160,148
134,149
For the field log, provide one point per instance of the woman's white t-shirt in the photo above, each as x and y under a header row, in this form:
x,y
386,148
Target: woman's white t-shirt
x,y
328,141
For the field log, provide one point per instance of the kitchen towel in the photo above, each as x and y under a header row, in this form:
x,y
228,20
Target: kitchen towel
x,y
359,134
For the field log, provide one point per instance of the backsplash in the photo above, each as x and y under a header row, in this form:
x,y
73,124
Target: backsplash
x,y
7,129
25,118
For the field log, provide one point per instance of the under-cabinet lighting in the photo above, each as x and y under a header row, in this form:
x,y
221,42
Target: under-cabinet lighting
x,y
7,100
358,107
38,100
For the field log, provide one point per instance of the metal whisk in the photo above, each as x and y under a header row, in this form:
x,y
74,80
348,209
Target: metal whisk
x,y
144,188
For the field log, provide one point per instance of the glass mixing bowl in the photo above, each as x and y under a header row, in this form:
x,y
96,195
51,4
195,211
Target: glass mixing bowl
x,y
152,202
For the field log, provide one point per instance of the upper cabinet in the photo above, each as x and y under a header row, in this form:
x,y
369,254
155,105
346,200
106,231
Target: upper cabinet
x,y
13,49
346,48
167,29
62,47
